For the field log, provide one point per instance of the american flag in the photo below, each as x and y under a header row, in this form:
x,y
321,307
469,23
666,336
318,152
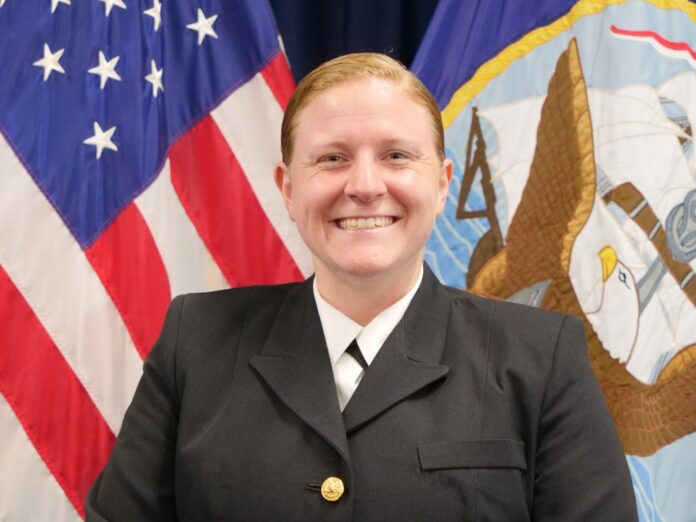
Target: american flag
x,y
136,163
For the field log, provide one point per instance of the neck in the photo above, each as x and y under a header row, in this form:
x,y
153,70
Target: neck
x,y
363,298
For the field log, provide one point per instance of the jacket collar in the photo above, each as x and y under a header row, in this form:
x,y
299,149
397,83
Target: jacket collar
x,y
409,359
295,363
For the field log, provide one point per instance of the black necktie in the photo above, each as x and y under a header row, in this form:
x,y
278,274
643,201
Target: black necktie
x,y
354,351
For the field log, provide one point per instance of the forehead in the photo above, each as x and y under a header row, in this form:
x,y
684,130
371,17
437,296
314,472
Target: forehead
x,y
364,107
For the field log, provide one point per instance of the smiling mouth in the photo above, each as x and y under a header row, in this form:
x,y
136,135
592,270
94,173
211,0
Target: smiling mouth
x,y
368,223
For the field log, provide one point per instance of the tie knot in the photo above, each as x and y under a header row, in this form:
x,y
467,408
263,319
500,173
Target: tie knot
x,y
354,351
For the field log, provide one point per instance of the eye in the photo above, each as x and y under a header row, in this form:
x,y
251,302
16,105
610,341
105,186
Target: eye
x,y
398,158
623,278
331,158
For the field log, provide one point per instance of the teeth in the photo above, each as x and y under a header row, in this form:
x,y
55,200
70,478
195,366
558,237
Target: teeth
x,y
364,223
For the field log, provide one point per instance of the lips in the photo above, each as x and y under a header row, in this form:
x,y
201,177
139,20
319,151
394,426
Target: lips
x,y
365,223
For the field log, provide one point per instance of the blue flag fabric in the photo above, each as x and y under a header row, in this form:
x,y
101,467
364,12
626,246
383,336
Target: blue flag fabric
x,y
464,35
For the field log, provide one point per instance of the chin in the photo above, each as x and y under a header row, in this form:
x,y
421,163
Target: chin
x,y
364,267
373,268
365,270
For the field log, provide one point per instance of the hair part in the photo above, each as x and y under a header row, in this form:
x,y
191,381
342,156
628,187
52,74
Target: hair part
x,y
352,67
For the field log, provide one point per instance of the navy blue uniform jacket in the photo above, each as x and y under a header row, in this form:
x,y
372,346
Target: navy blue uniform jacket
x,y
473,410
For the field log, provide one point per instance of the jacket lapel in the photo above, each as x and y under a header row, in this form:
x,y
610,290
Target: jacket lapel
x,y
295,364
409,359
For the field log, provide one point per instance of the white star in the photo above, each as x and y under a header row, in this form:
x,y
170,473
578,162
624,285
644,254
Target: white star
x,y
204,26
50,62
109,4
54,4
101,139
2,2
155,12
106,70
155,78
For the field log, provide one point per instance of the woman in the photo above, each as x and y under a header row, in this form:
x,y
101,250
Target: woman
x,y
256,404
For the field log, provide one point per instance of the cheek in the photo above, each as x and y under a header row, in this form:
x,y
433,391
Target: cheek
x,y
419,196
324,191
312,205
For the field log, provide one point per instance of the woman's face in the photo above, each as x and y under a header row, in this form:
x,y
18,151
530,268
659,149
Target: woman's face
x,y
365,183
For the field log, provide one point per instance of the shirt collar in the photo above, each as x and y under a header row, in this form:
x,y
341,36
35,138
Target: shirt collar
x,y
340,330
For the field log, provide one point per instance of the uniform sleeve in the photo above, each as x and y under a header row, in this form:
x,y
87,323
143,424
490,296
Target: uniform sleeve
x,y
581,471
138,480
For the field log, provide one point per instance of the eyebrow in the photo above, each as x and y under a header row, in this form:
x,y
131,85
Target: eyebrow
x,y
389,142
329,144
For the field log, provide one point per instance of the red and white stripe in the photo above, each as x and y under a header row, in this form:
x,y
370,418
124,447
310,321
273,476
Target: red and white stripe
x,y
77,324
666,47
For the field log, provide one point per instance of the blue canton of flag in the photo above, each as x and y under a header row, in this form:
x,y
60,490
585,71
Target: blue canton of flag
x,y
95,91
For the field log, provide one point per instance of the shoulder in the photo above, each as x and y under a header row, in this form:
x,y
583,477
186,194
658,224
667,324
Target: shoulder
x,y
229,304
517,335
205,333
203,321
234,297
507,315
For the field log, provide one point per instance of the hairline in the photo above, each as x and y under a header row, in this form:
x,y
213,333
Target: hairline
x,y
346,69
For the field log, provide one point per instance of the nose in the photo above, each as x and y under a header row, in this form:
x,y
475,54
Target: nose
x,y
365,182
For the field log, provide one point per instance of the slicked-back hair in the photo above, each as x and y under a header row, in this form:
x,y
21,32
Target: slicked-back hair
x,y
354,67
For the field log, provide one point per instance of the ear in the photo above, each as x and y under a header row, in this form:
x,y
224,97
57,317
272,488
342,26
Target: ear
x,y
443,183
284,184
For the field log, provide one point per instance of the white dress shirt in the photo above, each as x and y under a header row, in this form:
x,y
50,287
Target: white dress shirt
x,y
340,330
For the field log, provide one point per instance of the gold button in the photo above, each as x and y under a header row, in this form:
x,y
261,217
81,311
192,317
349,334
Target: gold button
x,y
332,489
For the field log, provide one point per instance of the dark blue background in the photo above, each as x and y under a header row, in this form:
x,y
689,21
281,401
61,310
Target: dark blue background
x,y
317,30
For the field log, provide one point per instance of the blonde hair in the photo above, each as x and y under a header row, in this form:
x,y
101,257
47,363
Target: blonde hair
x,y
350,67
